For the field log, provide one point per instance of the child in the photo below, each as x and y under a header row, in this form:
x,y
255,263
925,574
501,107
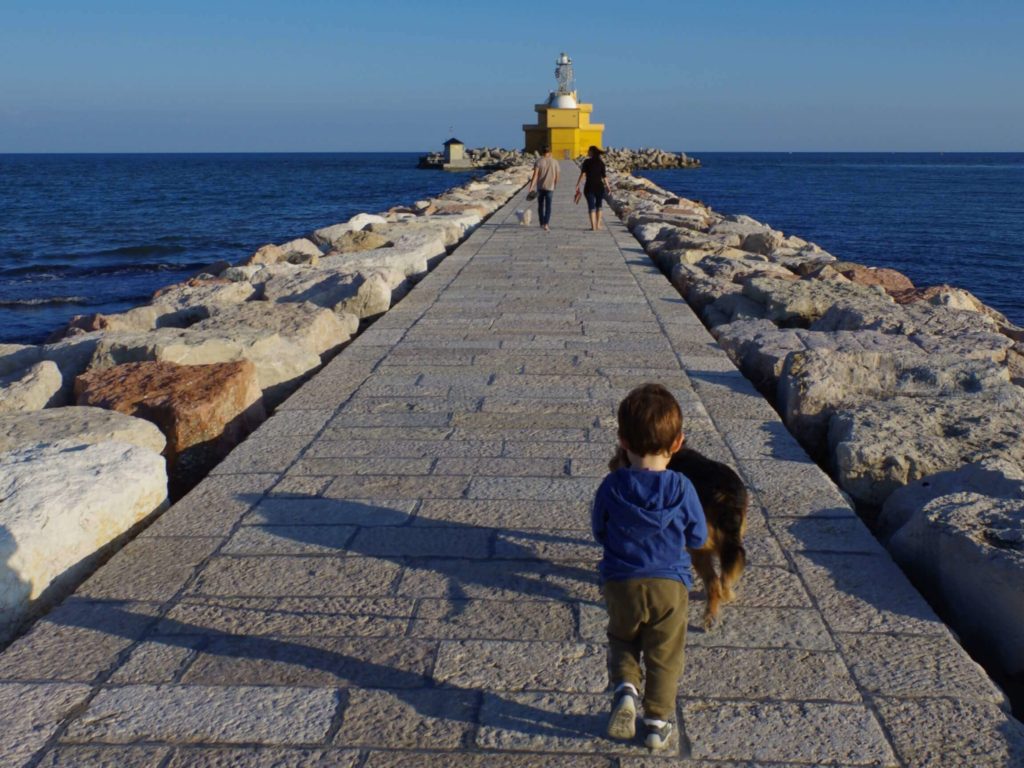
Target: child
x,y
646,516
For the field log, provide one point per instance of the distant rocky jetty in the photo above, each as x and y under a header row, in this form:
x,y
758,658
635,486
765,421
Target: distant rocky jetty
x,y
95,423
911,397
485,158
622,159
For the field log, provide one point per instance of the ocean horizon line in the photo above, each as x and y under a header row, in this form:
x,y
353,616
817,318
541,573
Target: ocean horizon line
x,y
419,151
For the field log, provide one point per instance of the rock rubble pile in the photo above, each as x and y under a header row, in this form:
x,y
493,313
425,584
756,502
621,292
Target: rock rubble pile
x,y
907,395
94,422
616,159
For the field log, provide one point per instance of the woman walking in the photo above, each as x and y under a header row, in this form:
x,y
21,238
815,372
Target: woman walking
x,y
596,185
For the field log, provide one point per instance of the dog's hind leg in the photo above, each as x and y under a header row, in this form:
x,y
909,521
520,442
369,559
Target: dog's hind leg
x,y
734,559
704,563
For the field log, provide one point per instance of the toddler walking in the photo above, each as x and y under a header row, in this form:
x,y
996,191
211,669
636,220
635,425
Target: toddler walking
x,y
645,516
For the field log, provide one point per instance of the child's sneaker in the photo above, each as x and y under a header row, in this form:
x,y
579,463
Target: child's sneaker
x,y
656,733
622,723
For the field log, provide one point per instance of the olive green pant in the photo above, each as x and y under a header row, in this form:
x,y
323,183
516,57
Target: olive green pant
x,y
648,616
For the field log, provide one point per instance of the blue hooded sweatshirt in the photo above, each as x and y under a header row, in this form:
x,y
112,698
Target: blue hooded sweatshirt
x,y
646,520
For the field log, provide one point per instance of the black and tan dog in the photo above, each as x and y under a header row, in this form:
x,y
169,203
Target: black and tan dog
x,y
725,499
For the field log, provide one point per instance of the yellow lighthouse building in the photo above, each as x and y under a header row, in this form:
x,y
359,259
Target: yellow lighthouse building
x,y
562,122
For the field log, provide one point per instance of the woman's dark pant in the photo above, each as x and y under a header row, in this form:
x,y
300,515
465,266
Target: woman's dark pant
x,y
594,200
544,205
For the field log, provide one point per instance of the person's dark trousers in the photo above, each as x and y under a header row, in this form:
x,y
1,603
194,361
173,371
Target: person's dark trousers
x,y
544,205
648,617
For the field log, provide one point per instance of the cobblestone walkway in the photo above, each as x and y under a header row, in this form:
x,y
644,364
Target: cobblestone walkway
x,y
396,569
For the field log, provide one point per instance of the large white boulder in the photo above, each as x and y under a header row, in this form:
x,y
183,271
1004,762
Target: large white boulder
x,y
374,295
31,389
281,363
17,357
802,302
878,447
301,251
966,547
317,329
815,383
60,504
326,235
79,424
203,293
323,287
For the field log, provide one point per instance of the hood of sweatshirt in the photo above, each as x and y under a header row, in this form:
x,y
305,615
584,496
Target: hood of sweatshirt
x,y
646,520
647,501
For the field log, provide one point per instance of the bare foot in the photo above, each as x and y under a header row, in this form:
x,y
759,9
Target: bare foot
x,y
547,228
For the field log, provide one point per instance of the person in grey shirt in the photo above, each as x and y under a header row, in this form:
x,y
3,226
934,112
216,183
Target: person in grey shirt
x,y
545,179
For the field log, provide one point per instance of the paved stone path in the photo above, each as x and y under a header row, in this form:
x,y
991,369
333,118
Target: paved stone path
x,y
396,569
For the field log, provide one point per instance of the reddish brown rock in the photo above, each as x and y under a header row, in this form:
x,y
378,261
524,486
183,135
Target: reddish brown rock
x,y
203,410
894,283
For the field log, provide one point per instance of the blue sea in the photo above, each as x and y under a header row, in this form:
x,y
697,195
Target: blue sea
x,y
938,218
100,233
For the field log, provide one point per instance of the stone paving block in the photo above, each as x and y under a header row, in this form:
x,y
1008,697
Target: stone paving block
x,y
30,714
794,489
786,732
424,719
213,507
865,593
336,467
152,569
502,422
358,435
759,439
156,660
398,487
363,512
757,673
460,402
496,665
521,434
911,666
728,398
104,757
763,549
505,513
588,467
771,587
313,661
462,542
419,449
290,540
940,732
742,627
497,580
299,616
260,757
273,576
548,546
506,467
549,449
551,723
294,423
97,631
846,534
493,620
301,486
262,456
568,488
392,759
194,714
424,419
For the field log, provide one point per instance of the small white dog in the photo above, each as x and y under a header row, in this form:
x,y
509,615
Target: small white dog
x,y
525,217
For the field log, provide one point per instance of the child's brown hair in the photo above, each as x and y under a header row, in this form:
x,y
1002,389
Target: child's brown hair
x,y
650,420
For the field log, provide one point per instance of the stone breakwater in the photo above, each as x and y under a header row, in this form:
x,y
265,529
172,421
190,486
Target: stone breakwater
x,y
910,396
96,424
621,159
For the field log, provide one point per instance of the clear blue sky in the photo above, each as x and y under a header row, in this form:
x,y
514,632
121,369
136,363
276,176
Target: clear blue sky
x,y
325,75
